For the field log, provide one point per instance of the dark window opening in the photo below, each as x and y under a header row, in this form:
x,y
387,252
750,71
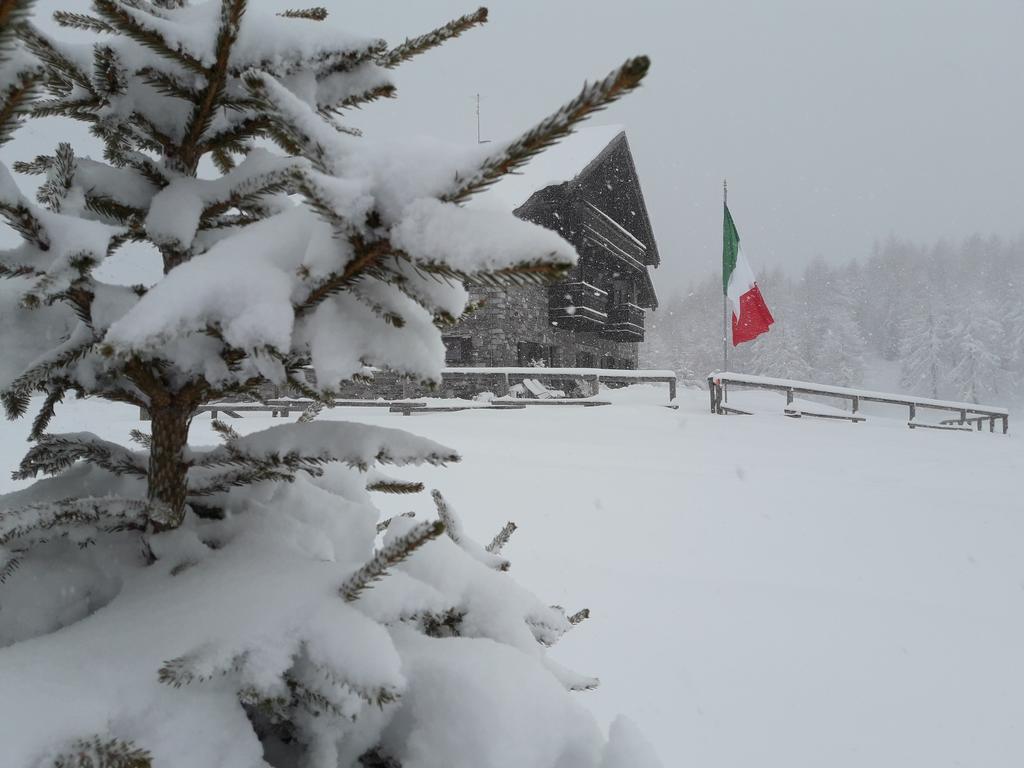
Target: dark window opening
x,y
458,350
584,360
531,355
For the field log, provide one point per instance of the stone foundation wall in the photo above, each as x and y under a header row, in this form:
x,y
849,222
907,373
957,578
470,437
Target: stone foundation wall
x,y
509,316
387,385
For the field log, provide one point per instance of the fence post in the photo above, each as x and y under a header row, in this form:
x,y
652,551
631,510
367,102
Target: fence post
x,y
856,403
789,396
913,411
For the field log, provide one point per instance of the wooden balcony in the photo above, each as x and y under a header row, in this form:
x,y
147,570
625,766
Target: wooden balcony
x,y
625,323
577,306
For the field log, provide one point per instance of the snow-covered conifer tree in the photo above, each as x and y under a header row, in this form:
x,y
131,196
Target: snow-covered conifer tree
x,y
924,367
215,603
977,372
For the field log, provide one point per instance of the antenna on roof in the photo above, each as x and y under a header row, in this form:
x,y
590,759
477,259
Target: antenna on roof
x,y
478,139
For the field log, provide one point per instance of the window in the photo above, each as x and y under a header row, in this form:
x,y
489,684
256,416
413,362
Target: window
x,y
584,360
622,293
458,350
531,355
554,356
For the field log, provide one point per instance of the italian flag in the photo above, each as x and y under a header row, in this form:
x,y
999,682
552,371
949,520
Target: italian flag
x,y
750,315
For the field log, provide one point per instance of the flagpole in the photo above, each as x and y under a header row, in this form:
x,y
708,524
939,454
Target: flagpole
x,y
725,297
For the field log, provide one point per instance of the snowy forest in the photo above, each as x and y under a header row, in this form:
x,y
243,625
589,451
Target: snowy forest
x,y
942,321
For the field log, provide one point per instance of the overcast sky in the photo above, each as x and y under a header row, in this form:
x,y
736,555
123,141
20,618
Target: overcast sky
x,y
836,123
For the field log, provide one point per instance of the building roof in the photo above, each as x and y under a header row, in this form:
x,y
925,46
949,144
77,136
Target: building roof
x,y
560,163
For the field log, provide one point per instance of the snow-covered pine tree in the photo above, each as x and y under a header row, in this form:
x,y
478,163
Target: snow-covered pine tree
x,y
238,628
977,373
925,357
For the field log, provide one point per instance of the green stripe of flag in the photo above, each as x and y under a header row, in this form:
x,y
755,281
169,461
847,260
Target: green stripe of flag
x,y
730,247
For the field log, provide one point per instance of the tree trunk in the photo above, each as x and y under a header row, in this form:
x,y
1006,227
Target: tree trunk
x,y
167,470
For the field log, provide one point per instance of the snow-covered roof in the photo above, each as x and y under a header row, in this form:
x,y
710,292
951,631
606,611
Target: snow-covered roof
x,y
557,164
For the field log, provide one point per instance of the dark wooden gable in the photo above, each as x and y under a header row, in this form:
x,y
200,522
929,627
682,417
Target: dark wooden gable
x,y
610,183
601,211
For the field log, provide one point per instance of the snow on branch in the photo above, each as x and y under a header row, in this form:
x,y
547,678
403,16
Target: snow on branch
x,y
390,555
22,528
17,395
53,454
318,13
501,538
19,72
128,22
83,21
453,527
383,525
201,665
102,753
298,446
416,45
593,98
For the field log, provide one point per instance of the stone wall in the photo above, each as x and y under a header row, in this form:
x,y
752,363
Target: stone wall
x,y
387,385
509,316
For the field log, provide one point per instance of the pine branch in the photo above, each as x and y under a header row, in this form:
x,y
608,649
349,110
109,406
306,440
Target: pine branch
x,y
60,177
114,212
383,525
367,257
168,84
501,539
53,454
82,21
579,616
387,485
394,553
109,76
357,100
415,46
322,65
226,432
313,14
199,666
56,62
446,624
46,412
35,167
103,753
16,103
23,221
83,109
141,438
238,478
377,758
453,527
231,12
117,17
593,97
18,393
312,411
108,512
13,13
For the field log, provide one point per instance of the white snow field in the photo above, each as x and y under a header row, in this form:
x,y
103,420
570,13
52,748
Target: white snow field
x,y
765,592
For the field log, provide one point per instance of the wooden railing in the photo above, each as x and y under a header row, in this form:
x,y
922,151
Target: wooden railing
x,y
966,413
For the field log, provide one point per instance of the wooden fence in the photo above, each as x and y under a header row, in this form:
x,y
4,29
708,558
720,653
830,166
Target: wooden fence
x,y
968,415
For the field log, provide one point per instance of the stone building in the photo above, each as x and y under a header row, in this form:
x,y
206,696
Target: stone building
x,y
586,189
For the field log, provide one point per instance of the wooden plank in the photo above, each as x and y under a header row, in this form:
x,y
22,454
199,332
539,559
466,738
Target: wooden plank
x,y
798,412
728,410
953,427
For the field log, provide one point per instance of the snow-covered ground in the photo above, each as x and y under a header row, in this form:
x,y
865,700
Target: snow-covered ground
x,y
765,592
